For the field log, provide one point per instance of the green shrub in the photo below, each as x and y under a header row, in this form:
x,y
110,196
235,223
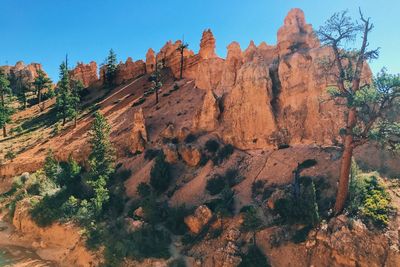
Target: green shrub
x,y
190,138
150,154
175,220
177,263
301,210
48,210
143,189
224,153
369,199
160,176
10,155
212,146
254,258
257,188
215,185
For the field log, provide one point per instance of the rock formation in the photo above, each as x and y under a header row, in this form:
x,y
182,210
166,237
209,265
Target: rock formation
x,y
86,73
207,45
138,133
150,61
233,62
21,73
202,215
207,117
129,70
295,34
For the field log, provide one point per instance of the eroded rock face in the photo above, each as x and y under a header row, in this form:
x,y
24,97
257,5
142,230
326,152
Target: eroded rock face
x,y
138,133
248,118
295,34
202,215
233,62
129,70
207,117
190,154
86,73
150,61
207,45
21,73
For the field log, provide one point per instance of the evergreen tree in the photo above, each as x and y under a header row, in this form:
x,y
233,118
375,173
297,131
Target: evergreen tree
x,y
181,48
24,88
251,222
65,102
51,166
366,104
101,160
41,83
5,108
111,68
77,87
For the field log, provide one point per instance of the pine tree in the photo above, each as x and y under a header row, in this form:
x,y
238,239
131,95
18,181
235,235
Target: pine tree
x,y
367,104
251,222
156,79
65,102
24,88
5,108
101,160
111,68
41,83
77,87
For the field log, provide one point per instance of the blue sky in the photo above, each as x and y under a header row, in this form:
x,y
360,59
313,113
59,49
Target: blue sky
x,y
45,30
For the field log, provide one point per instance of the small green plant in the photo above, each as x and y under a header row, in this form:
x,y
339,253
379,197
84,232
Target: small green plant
x,y
212,146
190,138
143,189
10,155
215,185
224,153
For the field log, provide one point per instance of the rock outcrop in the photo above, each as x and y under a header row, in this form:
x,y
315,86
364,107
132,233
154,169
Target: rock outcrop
x,y
129,70
233,62
21,73
296,34
138,133
86,73
201,217
207,117
207,45
150,61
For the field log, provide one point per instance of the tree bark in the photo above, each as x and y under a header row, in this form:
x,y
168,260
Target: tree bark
x,y
345,164
4,126
40,100
4,131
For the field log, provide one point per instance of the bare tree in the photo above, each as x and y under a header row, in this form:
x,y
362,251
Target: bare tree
x,y
181,48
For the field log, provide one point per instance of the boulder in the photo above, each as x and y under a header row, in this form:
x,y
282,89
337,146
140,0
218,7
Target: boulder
x,y
201,217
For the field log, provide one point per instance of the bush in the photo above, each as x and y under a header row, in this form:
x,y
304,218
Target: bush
x,y
175,220
301,210
160,176
369,199
212,146
10,155
177,263
48,210
143,190
150,154
223,154
190,138
215,185
254,258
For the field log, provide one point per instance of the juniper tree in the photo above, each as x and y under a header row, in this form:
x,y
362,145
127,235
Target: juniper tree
x,y
111,68
181,48
366,102
101,160
41,82
5,108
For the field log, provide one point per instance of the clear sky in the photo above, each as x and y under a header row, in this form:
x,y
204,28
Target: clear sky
x,y
45,30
